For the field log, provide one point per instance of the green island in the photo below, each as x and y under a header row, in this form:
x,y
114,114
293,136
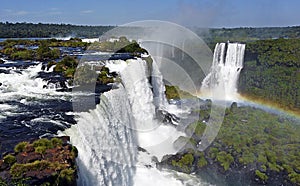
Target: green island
x,y
40,50
118,45
41,162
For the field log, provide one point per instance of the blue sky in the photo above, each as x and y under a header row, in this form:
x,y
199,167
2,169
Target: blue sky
x,y
202,13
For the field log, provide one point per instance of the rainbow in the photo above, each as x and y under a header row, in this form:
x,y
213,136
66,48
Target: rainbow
x,y
268,106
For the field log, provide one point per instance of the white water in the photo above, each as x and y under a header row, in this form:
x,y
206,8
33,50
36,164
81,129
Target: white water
x,y
160,100
221,82
106,146
108,136
154,136
24,83
90,40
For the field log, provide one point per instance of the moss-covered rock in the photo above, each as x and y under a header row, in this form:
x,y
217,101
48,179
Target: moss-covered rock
x,y
174,92
42,162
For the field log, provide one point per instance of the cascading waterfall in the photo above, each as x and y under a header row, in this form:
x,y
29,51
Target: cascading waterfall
x,y
105,142
108,136
160,100
155,137
135,80
225,70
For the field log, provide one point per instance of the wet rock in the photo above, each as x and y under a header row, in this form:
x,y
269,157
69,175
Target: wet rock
x,y
167,117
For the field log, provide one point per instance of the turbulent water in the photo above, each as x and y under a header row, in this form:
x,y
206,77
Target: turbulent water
x,y
30,105
227,65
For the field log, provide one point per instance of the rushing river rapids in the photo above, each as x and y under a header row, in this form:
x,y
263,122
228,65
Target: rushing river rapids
x,y
30,106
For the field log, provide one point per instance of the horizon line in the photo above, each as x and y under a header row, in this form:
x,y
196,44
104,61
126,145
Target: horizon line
x,y
116,25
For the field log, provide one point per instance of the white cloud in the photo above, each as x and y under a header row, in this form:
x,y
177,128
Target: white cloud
x,y
7,10
21,12
86,11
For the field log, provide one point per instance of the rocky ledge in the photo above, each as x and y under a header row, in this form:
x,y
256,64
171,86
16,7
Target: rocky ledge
x,y
41,162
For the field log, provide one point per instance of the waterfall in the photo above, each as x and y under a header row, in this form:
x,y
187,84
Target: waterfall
x,y
160,100
225,71
105,142
108,137
154,136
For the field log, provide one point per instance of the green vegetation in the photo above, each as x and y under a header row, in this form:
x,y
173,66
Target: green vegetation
x,y
225,159
18,170
43,142
9,159
67,66
105,77
47,49
27,30
252,136
202,162
44,52
248,137
56,167
261,175
212,36
85,74
56,142
66,177
271,72
121,45
20,147
184,163
174,92
22,55
196,128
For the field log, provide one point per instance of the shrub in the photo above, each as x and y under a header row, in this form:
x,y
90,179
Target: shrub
x,y
40,149
67,177
184,163
225,159
74,151
213,152
20,147
56,142
18,170
294,177
9,159
201,161
43,142
261,175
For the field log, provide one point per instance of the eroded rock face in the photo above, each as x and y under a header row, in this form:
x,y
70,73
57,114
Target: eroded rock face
x,y
41,162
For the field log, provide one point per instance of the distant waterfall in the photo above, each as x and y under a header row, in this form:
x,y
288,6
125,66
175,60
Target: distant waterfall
x,y
225,71
160,100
